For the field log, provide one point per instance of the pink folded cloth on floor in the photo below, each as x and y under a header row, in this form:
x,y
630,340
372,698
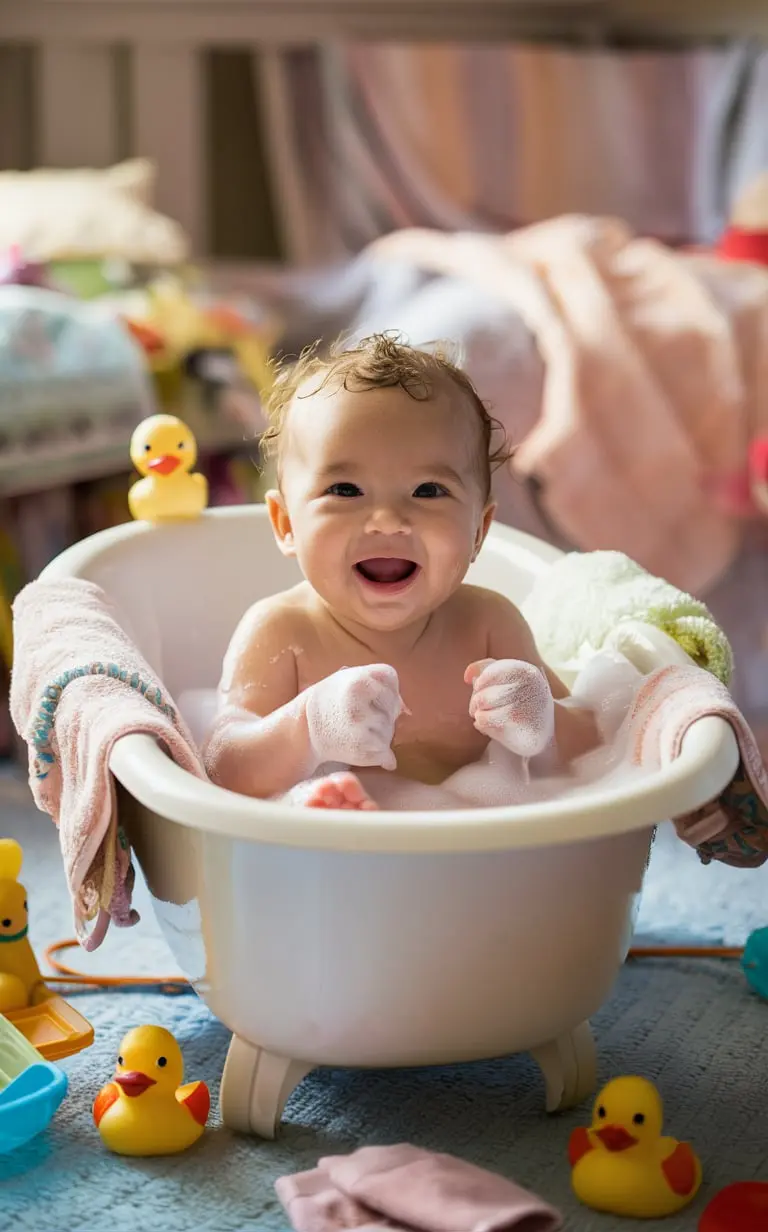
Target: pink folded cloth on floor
x,y
733,828
78,685
406,1188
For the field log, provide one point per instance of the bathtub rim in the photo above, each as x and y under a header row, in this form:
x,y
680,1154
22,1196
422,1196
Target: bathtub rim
x,y
708,761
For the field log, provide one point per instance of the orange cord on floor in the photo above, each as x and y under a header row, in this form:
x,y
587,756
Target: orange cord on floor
x,y
168,984
173,984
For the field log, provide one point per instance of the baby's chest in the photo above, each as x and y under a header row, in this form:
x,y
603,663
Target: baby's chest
x,y
437,723
435,700
432,689
434,735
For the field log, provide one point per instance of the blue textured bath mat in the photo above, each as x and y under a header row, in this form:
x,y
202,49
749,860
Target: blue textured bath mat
x,y
691,1026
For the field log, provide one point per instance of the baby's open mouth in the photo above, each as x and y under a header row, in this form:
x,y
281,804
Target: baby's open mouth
x,y
387,572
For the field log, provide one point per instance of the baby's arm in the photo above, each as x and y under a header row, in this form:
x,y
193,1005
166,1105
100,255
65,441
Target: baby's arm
x,y
268,736
259,743
517,700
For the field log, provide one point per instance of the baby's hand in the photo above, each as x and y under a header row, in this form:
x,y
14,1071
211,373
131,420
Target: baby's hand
x,y
512,702
351,716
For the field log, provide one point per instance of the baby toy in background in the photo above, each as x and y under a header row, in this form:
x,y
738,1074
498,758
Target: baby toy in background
x,y
31,1089
742,1207
754,962
180,327
746,236
16,270
21,983
45,1020
145,1110
622,1165
746,239
163,450
758,473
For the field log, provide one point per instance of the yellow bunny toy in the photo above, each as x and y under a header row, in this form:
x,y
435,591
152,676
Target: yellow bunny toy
x,y
21,983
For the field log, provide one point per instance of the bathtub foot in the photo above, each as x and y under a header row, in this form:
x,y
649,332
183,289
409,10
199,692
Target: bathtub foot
x,y
569,1066
255,1087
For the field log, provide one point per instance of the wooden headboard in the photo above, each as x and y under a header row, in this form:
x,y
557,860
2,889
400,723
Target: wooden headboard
x,y
87,82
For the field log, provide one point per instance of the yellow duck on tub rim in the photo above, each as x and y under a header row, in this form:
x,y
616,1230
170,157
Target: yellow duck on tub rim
x,y
163,451
622,1164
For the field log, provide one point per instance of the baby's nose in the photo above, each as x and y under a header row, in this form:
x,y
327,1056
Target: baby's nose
x,y
388,520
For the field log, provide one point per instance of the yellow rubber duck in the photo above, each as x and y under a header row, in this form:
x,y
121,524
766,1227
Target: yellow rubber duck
x,y
622,1165
21,983
163,450
145,1110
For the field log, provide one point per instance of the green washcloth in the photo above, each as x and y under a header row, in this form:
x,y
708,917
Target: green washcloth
x,y
579,601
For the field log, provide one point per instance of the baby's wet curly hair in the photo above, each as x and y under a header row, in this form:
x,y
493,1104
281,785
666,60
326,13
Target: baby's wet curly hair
x,y
383,361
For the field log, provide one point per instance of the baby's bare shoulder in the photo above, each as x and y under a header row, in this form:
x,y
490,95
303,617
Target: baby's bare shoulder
x,y
488,608
283,615
265,640
496,626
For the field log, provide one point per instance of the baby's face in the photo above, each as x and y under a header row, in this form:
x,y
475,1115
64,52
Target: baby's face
x,y
381,500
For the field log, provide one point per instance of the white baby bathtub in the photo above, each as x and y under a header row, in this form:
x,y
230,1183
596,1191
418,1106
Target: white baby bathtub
x,y
389,939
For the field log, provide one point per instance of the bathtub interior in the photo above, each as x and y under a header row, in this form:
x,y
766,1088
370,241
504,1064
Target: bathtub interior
x,y
181,588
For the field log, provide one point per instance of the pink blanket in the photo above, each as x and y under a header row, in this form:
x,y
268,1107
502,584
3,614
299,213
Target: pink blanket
x,y
656,381
733,828
78,685
405,1188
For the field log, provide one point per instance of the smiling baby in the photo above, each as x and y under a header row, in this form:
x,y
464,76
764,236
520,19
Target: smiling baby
x,y
383,679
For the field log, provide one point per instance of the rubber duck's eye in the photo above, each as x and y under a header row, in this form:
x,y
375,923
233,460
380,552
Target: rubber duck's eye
x,y
147,448
180,445
120,1061
601,1111
162,1061
638,1119
7,923
25,905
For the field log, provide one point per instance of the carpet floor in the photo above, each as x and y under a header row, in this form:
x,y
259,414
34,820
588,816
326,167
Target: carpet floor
x,y
692,1026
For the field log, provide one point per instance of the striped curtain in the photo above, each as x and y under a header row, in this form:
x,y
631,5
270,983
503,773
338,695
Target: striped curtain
x,y
368,137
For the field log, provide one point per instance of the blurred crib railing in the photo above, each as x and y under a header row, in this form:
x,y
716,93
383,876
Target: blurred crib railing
x,y
81,103
87,82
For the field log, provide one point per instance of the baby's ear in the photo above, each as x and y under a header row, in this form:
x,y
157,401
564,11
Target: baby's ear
x,y
281,522
482,530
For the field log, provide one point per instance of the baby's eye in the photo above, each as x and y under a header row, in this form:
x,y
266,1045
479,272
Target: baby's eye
x,y
343,489
429,491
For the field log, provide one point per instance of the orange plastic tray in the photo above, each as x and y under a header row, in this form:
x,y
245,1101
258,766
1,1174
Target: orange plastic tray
x,y
54,1028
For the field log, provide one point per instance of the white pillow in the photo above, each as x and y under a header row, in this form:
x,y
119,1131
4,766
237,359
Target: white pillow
x,y
65,215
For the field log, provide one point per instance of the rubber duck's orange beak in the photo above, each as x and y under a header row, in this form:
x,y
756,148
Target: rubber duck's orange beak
x,y
164,465
615,1138
133,1082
